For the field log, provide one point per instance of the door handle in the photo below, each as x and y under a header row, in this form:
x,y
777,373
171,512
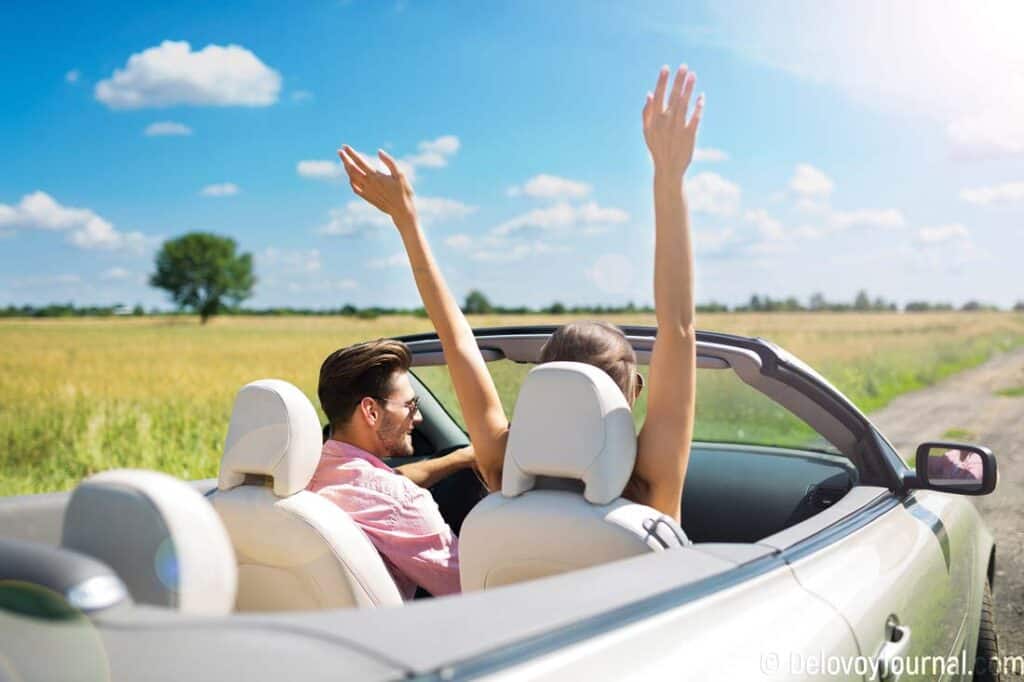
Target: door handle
x,y
897,642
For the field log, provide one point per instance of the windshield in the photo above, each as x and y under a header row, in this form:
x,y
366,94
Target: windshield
x,y
728,410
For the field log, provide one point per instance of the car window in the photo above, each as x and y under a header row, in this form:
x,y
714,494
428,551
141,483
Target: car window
x,y
508,376
728,410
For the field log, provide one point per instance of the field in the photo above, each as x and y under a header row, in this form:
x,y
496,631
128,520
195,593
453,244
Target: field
x,y
80,396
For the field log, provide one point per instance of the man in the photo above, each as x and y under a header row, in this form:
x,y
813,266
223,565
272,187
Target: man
x,y
367,396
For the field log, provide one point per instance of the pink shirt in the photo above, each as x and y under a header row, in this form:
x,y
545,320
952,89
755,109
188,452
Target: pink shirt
x,y
956,464
401,519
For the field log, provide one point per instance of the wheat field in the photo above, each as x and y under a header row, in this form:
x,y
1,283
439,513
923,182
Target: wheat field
x,y
83,395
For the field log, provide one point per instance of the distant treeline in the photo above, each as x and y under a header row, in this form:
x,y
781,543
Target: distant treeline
x,y
476,303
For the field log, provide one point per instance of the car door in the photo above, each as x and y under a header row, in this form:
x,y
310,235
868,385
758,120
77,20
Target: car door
x,y
763,626
902,582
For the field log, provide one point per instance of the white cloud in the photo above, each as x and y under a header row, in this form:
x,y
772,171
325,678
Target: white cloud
x,y
959,66
498,251
1004,193
439,209
301,95
290,260
395,260
769,228
172,74
434,153
459,241
319,169
709,155
941,233
45,281
888,218
222,189
990,133
72,76
431,154
714,241
946,249
446,145
297,271
565,217
352,218
167,128
320,285
711,193
115,274
85,229
357,216
808,181
545,186
612,273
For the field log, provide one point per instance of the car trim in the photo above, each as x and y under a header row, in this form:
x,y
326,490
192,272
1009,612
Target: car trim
x,y
548,642
934,523
829,535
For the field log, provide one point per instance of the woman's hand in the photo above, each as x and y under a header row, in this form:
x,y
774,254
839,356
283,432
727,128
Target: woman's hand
x,y
669,136
392,193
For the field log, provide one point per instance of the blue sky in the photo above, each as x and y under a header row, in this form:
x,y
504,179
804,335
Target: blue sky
x,y
844,146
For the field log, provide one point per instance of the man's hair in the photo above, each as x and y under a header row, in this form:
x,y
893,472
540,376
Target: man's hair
x,y
600,344
350,374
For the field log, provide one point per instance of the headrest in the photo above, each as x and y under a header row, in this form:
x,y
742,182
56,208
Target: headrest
x,y
274,432
571,421
160,536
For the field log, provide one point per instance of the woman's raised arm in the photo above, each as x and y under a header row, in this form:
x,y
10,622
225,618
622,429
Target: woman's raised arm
x,y
663,448
474,387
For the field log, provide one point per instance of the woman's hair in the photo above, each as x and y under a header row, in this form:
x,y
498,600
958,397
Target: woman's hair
x,y
599,344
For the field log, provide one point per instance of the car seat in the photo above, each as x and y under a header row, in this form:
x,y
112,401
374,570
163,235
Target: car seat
x,y
571,424
295,549
159,535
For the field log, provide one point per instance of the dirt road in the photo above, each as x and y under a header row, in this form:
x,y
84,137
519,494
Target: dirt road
x,y
969,405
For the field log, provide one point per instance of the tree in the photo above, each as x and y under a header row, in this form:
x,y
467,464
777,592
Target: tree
x,y
202,271
477,304
556,308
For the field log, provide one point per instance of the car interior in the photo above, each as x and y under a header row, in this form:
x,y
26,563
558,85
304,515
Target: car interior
x,y
279,548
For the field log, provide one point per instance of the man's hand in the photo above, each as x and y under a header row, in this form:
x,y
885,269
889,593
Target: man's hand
x,y
669,136
427,472
392,193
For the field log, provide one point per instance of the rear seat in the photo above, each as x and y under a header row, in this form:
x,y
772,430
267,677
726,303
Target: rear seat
x,y
159,535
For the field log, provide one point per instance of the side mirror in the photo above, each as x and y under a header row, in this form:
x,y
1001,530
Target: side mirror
x,y
956,468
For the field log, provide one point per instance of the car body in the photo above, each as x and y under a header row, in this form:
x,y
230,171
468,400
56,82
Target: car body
x,y
821,556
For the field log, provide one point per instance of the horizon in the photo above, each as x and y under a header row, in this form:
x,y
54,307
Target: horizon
x,y
876,152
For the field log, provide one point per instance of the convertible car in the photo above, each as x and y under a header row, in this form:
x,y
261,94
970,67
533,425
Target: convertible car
x,y
811,549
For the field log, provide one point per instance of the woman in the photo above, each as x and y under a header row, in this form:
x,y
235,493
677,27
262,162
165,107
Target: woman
x,y
663,446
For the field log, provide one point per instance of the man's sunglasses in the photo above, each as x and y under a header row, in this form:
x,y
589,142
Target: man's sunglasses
x,y
411,405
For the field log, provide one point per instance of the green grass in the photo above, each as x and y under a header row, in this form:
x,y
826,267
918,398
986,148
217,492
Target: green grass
x,y
1017,392
959,434
80,396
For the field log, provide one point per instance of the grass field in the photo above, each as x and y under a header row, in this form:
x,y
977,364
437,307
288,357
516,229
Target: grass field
x,y
80,396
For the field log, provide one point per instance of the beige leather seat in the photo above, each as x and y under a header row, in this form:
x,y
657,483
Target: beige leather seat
x,y
159,535
570,453
296,550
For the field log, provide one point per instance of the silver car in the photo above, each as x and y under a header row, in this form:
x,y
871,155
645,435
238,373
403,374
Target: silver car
x,y
817,553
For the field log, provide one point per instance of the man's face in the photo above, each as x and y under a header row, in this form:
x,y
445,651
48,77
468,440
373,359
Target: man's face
x,y
394,428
